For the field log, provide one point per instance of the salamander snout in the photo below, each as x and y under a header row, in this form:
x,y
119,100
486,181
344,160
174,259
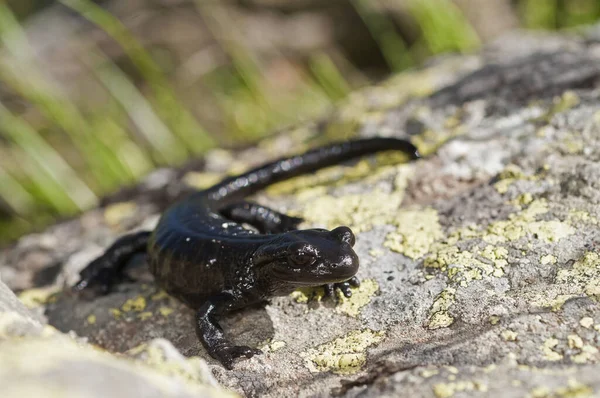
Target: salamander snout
x,y
344,234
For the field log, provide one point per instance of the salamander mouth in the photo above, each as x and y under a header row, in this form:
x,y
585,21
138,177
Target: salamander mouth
x,y
315,277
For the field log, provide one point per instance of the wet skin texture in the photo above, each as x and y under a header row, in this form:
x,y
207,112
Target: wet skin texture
x,y
201,254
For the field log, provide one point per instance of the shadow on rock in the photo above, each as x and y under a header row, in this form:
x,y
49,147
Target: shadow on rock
x,y
136,313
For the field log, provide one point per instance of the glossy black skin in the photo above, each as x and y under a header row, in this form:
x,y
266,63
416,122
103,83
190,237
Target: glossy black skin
x,y
201,254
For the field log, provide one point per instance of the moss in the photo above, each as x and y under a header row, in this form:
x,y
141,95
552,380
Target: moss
x,y
344,355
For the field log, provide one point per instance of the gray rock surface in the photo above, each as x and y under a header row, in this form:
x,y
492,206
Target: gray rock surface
x,y
480,263
37,360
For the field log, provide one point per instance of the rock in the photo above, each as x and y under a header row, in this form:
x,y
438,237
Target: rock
x,y
59,366
480,262
40,361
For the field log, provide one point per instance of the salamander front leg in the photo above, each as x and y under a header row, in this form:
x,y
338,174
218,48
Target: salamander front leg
x,y
103,272
343,286
266,220
211,335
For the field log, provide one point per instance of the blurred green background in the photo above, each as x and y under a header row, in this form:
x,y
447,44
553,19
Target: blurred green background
x,y
95,94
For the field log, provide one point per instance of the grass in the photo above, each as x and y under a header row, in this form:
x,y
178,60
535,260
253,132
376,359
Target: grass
x,y
63,160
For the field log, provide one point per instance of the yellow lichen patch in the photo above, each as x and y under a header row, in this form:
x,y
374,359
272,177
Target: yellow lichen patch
x,y
523,223
375,252
584,276
446,390
36,297
361,296
417,231
574,341
116,213
547,349
302,295
548,259
427,373
566,101
510,174
576,217
272,346
586,322
464,266
115,312
91,319
439,316
522,200
573,389
587,353
137,304
165,311
144,315
344,355
360,212
509,335
364,170
160,295
555,303
202,180
161,356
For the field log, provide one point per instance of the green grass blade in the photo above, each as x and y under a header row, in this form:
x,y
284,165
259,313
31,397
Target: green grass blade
x,y
170,108
443,26
391,44
166,147
19,73
16,197
61,185
329,77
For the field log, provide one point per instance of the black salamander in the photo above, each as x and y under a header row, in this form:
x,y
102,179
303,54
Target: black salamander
x,y
201,254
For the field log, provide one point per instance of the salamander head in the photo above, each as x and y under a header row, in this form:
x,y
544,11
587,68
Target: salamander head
x,y
309,257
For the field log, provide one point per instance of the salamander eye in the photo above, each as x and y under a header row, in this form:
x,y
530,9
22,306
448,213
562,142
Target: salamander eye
x,y
302,258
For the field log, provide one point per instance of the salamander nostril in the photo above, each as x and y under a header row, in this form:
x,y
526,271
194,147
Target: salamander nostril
x,y
344,234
